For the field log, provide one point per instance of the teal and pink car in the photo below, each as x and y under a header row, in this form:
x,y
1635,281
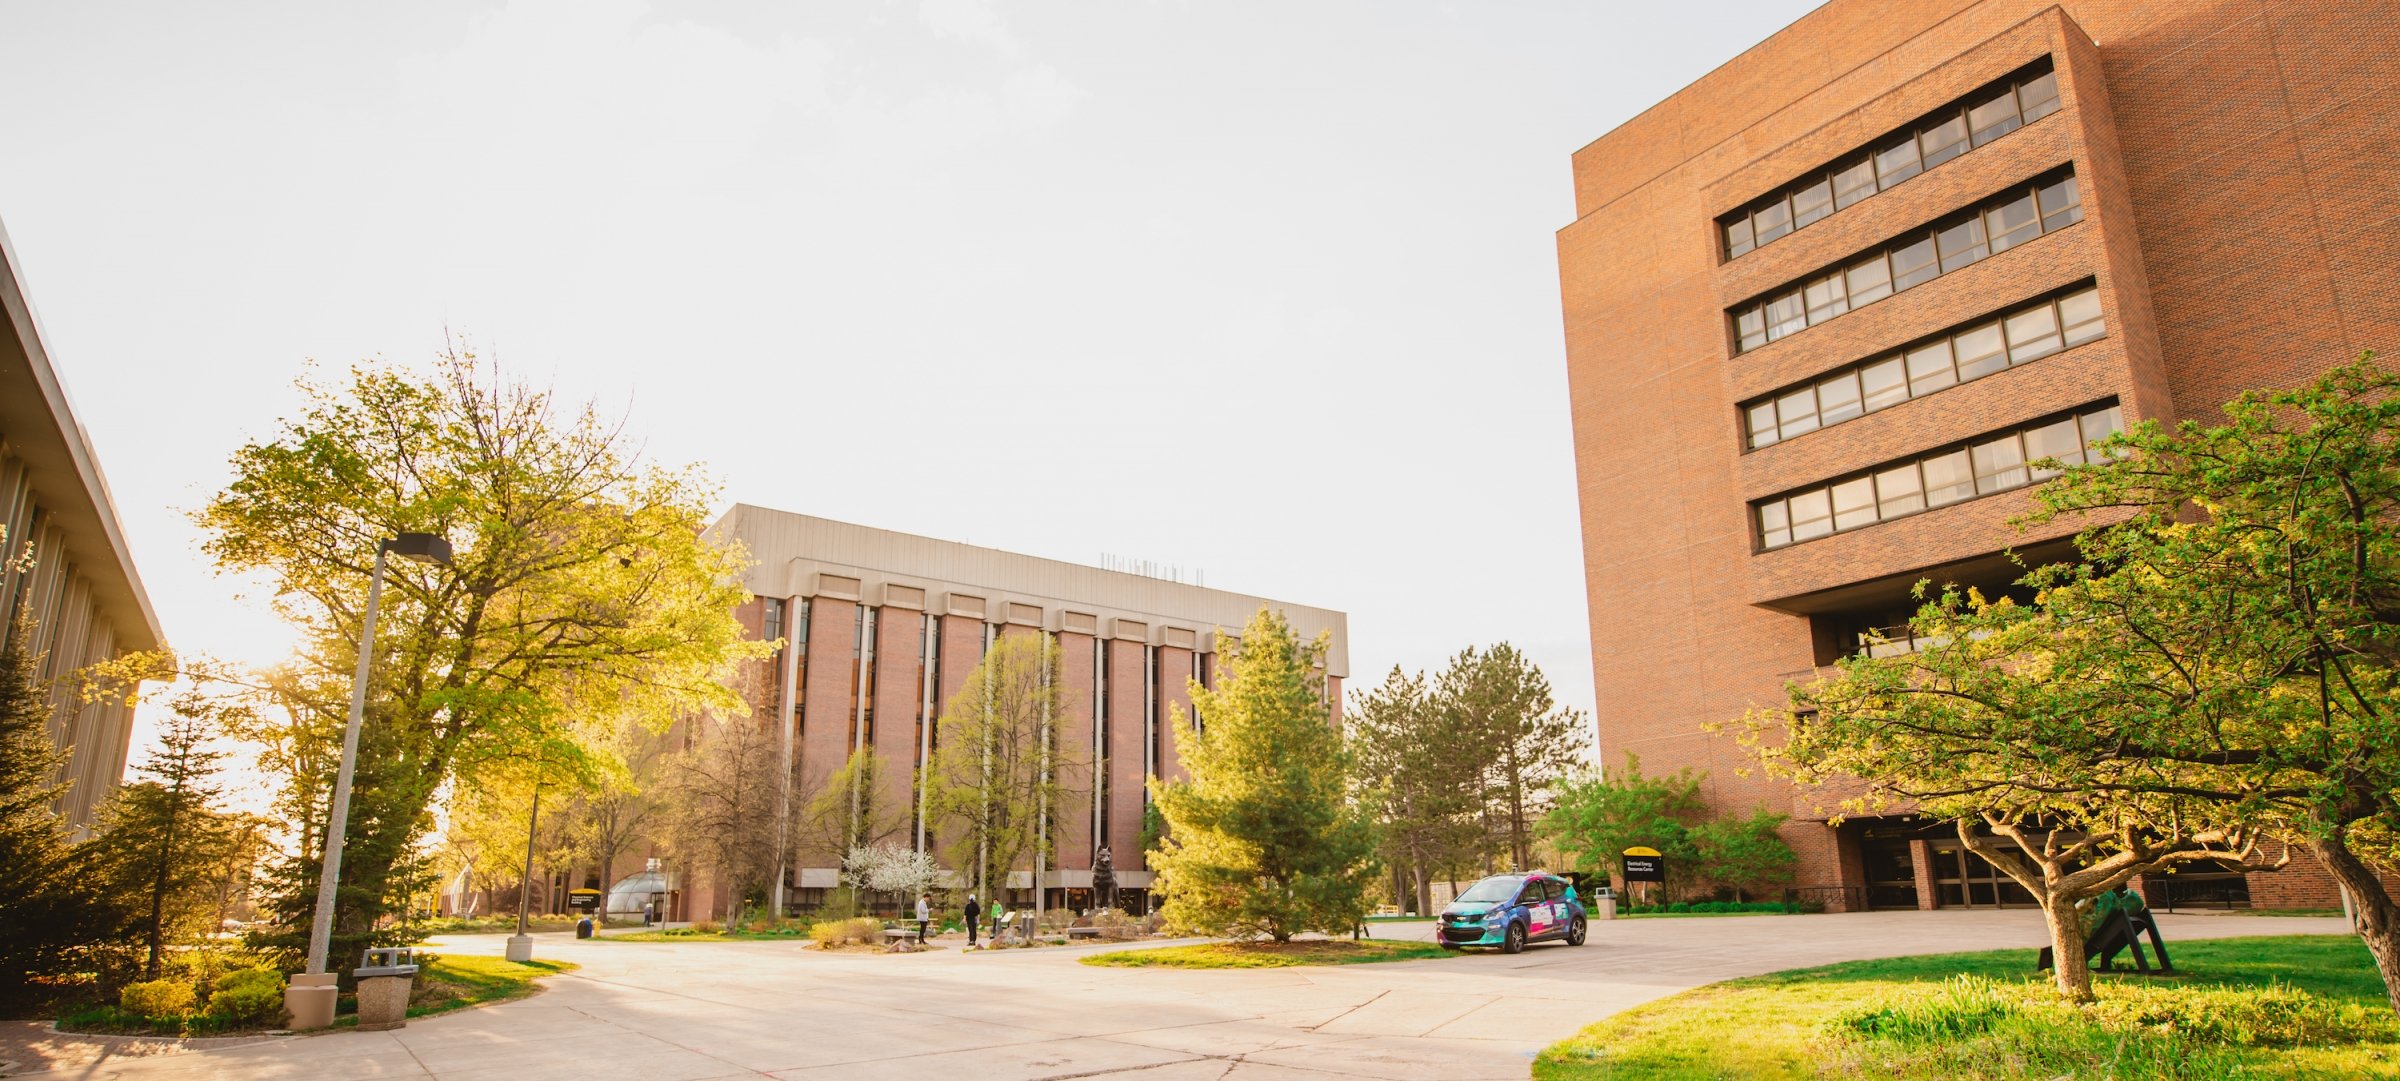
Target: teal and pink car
x,y
1509,911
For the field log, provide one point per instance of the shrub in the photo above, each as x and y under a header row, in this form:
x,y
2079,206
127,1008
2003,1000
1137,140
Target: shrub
x,y
848,932
707,927
247,998
157,998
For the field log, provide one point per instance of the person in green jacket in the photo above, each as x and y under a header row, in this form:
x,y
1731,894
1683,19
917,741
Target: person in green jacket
x,y
997,912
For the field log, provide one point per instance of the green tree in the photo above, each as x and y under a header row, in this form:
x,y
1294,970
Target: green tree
x,y
52,911
1743,853
582,574
1498,702
1263,838
996,779
1999,720
1595,816
163,843
848,810
2237,613
1421,790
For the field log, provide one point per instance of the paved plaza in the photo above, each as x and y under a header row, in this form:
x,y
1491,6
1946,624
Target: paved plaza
x,y
690,1011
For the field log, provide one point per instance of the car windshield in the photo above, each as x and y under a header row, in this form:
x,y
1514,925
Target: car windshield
x,y
1492,891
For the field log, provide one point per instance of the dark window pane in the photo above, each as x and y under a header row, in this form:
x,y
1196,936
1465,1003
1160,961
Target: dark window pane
x,y
1827,298
2038,97
1854,183
2032,334
1774,525
1854,503
1994,118
1786,315
1947,479
1980,352
1837,398
1913,265
1885,383
2062,205
1762,425
1896,163
2100,425
2012,223
2000,464
1750,324
1737,238
1772,221
1944,140
1812,202
1929,368
1797,411
1899,491
1870,281
1812,515
1962,244
2060,441
2081,314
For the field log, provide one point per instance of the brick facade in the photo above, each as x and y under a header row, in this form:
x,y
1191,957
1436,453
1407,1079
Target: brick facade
x,y
1127,647
2237,220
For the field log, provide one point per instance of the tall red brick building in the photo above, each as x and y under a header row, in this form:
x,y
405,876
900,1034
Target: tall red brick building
x,y
1823,306
884,627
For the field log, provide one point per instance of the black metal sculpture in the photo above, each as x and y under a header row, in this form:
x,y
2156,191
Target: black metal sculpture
x,y
1104,881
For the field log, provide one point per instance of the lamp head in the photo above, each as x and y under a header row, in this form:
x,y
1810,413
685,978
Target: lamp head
x,y
421,547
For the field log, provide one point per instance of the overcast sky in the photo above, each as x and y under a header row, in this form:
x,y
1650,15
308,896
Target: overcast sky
x,y
1264,289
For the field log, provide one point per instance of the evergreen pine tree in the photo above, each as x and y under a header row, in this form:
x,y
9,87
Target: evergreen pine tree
x,y
1263,838
162,843
50,910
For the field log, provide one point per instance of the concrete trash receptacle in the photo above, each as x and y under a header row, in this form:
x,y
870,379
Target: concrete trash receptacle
x,y
385,978
1606,903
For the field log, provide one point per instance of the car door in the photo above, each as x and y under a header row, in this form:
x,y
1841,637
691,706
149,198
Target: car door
x,y
1540,915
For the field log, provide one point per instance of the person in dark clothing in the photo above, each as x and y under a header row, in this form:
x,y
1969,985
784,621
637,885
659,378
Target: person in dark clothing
x,y
972,911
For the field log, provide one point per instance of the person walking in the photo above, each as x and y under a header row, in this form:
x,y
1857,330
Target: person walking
x,y
974,914
997,912
924,916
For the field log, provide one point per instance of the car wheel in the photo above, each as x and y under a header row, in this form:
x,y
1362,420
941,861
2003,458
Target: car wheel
x,y
1515,942
1575,932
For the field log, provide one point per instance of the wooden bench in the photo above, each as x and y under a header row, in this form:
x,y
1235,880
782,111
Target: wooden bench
x,y
910,933
1082,932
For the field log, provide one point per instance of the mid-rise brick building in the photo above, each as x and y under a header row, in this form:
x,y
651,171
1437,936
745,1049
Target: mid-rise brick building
x,y
1823,306
884,627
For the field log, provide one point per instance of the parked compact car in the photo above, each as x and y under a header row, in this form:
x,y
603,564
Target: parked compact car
x,y
1509,911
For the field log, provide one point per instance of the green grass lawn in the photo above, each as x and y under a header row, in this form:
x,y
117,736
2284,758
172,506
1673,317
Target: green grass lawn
x,y
1268,954
686,934
455,983
2282,1006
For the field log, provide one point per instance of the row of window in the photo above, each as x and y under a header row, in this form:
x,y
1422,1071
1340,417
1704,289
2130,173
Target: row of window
x,y
1991,464
2026,334
1971,121
1911,260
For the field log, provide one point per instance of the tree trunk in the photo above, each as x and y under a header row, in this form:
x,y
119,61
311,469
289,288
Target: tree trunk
x,y
2073,969
2378,917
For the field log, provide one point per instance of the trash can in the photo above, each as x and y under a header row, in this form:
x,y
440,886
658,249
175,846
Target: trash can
x,y
1605,901
385,977
583,927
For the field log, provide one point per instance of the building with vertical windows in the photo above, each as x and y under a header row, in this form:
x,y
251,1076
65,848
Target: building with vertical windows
x,y
883,627
65,566
1824,307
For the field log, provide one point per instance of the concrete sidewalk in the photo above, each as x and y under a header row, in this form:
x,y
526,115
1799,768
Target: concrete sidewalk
x,y
688,1011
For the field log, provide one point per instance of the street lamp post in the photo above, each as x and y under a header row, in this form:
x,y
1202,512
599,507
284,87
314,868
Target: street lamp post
x,y
520,945
311,996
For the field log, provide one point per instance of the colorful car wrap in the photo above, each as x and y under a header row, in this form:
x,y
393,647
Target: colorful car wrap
x,y
1543,905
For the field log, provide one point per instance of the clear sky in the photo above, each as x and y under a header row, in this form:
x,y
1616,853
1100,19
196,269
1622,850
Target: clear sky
x,y
1265,289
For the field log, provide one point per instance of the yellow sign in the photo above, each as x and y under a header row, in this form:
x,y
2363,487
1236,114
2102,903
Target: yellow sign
x,y
1638,850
